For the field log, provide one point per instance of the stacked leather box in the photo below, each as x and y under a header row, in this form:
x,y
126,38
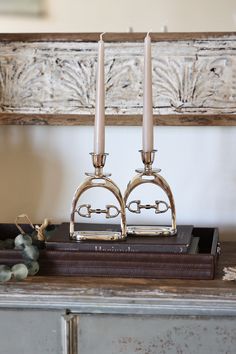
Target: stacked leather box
x,y
192,254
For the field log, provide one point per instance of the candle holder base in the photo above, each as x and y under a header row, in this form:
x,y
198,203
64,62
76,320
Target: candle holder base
x,y
151,230
150,175
96,180
96,236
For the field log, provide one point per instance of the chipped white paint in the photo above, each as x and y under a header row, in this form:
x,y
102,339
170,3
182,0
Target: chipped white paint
x,y
229,273
189,77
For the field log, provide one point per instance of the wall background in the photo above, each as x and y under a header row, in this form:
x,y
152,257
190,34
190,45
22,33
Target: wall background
x,y
42,166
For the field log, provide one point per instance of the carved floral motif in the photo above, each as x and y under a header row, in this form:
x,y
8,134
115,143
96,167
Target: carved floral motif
x,y
57,78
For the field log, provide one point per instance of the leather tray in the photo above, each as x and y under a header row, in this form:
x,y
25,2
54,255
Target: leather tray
x,y
200,265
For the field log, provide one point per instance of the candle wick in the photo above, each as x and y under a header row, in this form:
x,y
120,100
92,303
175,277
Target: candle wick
x,y
101,35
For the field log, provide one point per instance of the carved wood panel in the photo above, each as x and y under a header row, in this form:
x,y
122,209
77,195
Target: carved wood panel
x,y
45,81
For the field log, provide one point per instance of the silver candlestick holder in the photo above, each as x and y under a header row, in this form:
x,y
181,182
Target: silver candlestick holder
x,y
149,175
98,179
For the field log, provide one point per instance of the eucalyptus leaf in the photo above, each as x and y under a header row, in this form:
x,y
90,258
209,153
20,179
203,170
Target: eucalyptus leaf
x,y
22,240
31,253
5,273
20,271
9,243
33,267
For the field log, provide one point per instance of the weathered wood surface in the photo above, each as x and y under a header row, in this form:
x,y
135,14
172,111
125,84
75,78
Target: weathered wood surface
x,y
127,295
50,78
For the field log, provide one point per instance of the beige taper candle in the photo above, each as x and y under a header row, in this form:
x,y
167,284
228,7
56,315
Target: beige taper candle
x,y
147,97
99,126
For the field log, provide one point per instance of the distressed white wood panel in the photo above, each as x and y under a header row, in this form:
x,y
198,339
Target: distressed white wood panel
x,y
190,77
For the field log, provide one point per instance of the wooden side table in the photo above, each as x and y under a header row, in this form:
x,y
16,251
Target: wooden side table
x,y
111,316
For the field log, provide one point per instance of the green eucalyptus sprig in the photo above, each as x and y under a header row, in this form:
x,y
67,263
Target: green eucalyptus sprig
x,y
28,244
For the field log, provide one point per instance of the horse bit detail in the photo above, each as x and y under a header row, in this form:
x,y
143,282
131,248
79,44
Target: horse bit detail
x,y
160,206
86,211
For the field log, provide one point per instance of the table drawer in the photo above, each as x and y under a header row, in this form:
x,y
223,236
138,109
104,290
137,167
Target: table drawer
x,y
115,334
30,331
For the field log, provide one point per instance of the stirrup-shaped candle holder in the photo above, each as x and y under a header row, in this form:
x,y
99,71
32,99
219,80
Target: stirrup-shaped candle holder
x,y
95,180
150,175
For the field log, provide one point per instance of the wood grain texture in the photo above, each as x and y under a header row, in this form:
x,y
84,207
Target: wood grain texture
x,y
112,36
49,79
119,120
